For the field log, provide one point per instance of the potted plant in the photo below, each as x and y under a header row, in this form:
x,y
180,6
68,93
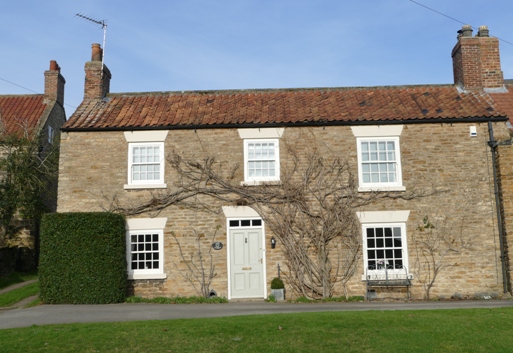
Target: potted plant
x,y
278,289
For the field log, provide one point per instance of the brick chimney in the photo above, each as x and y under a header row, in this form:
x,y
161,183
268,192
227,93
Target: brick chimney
x,y
97,75
54,83
476,60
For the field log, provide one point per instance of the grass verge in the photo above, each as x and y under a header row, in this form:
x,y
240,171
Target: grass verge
x,y
470,330
16,277
16,295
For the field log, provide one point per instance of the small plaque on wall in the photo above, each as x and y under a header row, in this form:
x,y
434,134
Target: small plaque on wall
x,y
217,245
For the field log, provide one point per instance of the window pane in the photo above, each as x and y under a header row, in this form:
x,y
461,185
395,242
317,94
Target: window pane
x,y
265,150
271,151
384,248
258,151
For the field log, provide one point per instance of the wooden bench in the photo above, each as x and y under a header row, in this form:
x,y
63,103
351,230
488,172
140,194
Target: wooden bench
x,y
388,278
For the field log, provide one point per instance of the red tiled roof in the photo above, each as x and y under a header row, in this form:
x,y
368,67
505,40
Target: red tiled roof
x,y
504,102
21,112
283,107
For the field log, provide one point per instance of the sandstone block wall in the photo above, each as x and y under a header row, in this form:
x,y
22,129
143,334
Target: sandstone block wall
x,y
93,170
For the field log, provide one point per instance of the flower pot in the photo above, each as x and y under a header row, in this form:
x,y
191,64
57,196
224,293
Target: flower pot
x,y
278,294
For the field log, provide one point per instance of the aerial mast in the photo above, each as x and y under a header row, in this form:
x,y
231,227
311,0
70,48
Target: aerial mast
x,y
104,27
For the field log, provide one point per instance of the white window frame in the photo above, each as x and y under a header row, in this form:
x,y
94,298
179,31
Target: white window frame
x,y
365,133
146,183
256,180
386,264
144,226
147,138
386,186
384,219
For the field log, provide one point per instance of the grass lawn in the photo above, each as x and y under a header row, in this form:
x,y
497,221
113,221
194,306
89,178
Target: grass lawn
x,y
16,295
469,330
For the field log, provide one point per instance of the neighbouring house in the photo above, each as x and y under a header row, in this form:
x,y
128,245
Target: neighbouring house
x,y
40,117
225,190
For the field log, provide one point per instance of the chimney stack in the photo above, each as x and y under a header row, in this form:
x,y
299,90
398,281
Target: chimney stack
x,y
97,75
476,60
54,83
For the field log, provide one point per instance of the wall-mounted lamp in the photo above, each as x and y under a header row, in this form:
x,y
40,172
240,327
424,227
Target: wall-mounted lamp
x,y
273,243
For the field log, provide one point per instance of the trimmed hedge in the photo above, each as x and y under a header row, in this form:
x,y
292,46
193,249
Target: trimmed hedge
x,y
82,258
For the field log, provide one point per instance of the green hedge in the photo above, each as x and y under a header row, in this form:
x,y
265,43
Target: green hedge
x,y
82,258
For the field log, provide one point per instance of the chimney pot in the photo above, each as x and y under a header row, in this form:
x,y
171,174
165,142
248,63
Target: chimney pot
x,y
483,31
53,65
466,31
97,52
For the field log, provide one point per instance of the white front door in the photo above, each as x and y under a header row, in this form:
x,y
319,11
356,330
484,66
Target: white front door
x,y
246,263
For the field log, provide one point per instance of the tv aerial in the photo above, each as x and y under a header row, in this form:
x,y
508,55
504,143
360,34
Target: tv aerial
x,y
102,23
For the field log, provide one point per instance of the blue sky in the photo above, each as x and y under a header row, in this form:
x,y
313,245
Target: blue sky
x,y
241,44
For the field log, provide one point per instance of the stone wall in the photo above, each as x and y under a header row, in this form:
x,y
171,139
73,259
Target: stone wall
x,y
93,170
505,171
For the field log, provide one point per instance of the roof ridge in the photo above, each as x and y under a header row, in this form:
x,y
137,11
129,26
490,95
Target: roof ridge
x,y
277,90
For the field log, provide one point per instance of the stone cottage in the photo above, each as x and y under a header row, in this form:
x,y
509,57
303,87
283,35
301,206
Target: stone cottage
x,y
40,116
324,187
